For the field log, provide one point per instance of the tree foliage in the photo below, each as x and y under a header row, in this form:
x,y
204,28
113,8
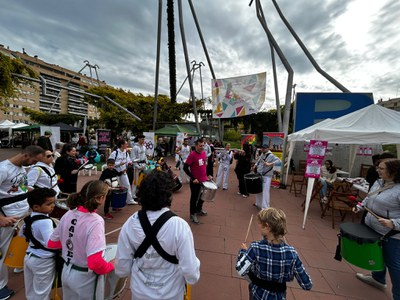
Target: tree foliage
x,y
8,82
49,118
142,106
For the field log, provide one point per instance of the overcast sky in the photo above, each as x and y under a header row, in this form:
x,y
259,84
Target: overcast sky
x,y
356,42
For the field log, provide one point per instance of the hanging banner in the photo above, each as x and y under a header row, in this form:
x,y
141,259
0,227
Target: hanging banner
x,y
249,138
315,158
275,142
149,142
238,96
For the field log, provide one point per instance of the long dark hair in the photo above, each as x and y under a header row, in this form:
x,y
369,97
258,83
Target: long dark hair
x,y
331,169
88,195
66,148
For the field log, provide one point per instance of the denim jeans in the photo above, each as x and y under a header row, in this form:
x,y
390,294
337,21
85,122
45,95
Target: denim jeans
x,y
324,190
391,250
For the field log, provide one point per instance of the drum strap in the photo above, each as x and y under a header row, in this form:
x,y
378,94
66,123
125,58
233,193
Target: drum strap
x,y
29,235
151,235
9,200
47,172
271,286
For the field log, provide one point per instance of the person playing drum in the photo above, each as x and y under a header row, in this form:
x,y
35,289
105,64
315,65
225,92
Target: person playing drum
x,y
81,237
13,203
384,201
110,176
42,174
195,168
159,269
270,262
225,158
39,262
265,167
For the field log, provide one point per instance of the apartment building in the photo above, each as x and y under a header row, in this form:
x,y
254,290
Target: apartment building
x,y
391,103
50,98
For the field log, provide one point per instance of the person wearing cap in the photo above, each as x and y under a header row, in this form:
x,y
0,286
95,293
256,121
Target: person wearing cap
x,y
265,167
45,142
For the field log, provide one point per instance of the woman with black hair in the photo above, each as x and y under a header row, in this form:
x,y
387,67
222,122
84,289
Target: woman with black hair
x,y
156,246
66,168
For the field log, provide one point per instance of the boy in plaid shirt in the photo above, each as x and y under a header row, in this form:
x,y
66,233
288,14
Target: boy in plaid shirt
x,y
270,262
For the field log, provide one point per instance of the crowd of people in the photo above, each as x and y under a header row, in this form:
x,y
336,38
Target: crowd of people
x,y
155,246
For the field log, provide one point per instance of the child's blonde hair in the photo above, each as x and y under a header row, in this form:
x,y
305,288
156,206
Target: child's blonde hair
x,y
275,219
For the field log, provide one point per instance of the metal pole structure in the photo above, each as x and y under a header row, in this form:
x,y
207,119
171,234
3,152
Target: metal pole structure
x,y
59,93
278,106
183,83
220,129
182,27
307,53
79,92
286,114
157,64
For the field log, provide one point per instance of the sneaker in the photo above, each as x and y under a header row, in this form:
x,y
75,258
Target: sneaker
x,y
116,209
224,189
194,219
18,270
6,293
132,202
108,216
239,193
324,200
371,281
201,213
245,196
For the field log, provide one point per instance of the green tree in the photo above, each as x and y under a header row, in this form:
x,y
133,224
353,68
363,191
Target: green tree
x,y
49,118
8,82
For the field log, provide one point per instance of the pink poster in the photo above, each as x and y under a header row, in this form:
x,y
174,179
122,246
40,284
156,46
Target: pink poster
x,y
315,158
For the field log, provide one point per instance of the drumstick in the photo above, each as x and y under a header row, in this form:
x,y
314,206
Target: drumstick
x,y
371,212
112,231
248,228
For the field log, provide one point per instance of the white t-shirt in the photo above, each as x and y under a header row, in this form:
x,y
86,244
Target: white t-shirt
x,y
37,176
184,152
152,277
13,182
81,235
122,159
41,231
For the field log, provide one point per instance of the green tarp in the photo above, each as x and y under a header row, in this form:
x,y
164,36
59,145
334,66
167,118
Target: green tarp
x,y
172,130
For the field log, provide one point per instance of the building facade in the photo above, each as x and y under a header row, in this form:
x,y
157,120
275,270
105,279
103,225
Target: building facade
x,y
391,103
51,97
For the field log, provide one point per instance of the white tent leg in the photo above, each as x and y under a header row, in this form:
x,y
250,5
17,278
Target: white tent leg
x,y
352,156
291,148
398,150
310,184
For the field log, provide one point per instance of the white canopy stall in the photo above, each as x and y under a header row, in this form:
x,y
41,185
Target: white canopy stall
x,y
373,124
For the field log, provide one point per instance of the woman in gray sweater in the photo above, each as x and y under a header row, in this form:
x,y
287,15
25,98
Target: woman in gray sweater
x,y
384,200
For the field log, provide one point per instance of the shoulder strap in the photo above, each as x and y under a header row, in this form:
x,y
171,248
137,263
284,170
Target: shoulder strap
x,y
151,235
29,235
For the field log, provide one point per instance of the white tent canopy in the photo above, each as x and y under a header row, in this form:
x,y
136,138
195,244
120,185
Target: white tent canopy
x,y
371,125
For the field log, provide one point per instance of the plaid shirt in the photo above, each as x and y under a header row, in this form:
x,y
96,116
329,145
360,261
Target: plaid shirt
x,y
279,263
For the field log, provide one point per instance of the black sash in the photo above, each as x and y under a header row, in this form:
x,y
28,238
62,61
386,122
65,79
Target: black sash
x,y
268,285
13,199
151,235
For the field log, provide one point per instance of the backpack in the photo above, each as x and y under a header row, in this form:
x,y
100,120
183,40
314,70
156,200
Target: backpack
x,y
47,172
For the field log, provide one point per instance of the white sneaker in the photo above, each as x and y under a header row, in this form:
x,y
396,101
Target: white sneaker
x,y
18,270
132,202
194,219
371,281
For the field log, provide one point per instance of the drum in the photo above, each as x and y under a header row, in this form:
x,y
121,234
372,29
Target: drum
x,y
16,251
113,285
178,184
253,183
118,197
60,209
209,189
361,246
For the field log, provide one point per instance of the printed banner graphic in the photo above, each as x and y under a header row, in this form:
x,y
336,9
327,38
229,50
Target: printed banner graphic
x,y
248,138
149,141
315,158
238,96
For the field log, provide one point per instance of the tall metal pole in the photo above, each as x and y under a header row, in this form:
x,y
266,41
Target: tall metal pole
x,y
182,27
278,105
157,64
307,53
286,114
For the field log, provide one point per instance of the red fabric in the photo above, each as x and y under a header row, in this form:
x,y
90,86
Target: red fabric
x,y
54,245
97,263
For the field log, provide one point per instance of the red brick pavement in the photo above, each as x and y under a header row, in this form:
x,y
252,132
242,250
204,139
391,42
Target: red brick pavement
x,y
218,238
